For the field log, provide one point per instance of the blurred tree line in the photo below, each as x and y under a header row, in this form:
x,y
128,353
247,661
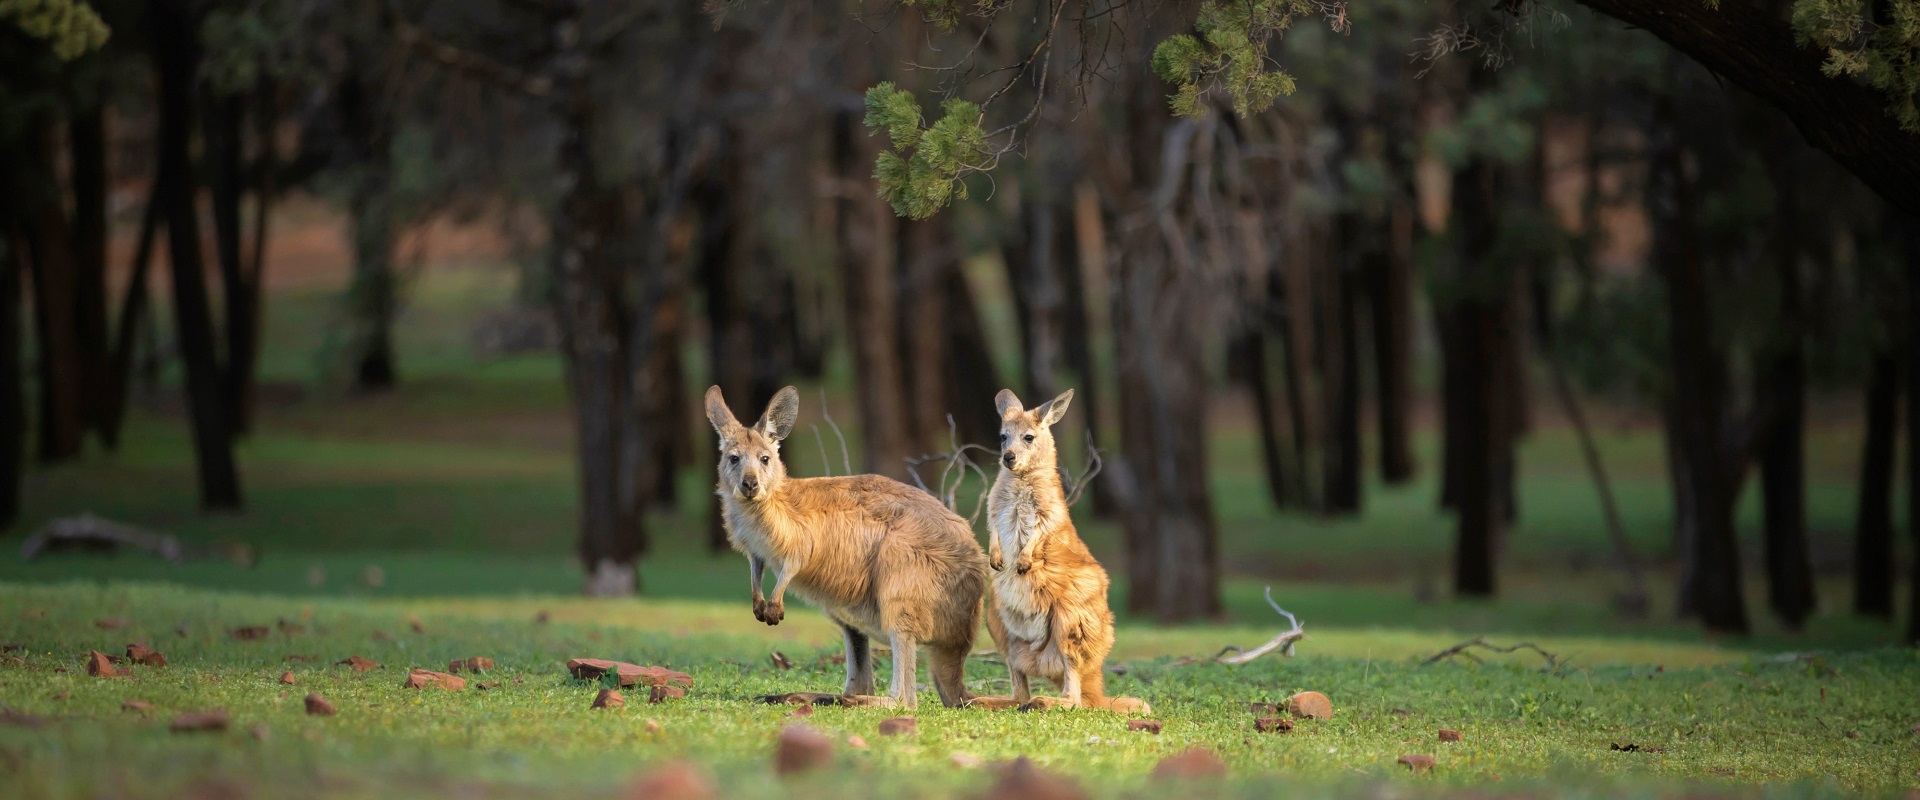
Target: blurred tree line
x,y
1277,197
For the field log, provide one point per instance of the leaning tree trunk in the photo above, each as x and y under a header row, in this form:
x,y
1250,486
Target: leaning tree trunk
x,y
177,58
55,270
132,318
223,143
1912,255
1874,567
1783,488
13,412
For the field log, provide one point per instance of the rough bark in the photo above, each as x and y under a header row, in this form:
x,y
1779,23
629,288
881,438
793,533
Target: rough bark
x,y
177,60
1470,316
1874,566
1912,240
225,116
969,363
132,318
1390,296
1340,371
924,260
55,270
372,297
1029,256
87,141
13,412
1790,589
864,230
729,291
1751,48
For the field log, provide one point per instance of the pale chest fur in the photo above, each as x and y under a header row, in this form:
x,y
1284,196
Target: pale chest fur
x,y
1018,518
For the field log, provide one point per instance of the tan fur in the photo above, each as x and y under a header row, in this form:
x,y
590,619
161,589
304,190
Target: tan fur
x,y
882,559
1049,610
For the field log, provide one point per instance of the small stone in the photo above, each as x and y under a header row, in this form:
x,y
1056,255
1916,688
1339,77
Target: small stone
x,y
416,626
214,720
801,748
287,678
1273,725
857,742
424,678
1193,762
1449,735
1310,705
663,693
318,706
802,711
964,760
474,664
653,726
588,669
609,698
675,780
99,666
145,656
1023,780
1149,725
898,726
1417,763
360,664
1262,709
485,685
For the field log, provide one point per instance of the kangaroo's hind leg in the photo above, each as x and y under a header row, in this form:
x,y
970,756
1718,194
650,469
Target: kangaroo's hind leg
x,y
859,662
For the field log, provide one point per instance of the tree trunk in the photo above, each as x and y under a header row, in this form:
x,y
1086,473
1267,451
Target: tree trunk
x,y
864,228
1470,316
1911,224
1874,567
372,297
177,57
1790,589
223,142
55,270
612,537
722,255
1391,310
1340,370
87,138
1031,274
13,412
1698,394
970,367
924,259
1250,351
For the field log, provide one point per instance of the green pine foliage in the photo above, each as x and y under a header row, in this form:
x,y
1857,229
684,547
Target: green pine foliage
x,y
1227,53
1884,53
924,170
70,26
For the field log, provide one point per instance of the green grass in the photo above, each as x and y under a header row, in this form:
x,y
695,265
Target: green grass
x,y
1715,720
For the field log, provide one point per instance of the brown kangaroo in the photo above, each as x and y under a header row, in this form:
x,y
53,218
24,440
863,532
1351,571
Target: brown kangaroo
x,y
882,559
1049,611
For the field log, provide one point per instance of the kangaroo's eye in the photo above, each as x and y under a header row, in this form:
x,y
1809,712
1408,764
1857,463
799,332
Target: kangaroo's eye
x,y
733,459
1003,438
764,460
1029,437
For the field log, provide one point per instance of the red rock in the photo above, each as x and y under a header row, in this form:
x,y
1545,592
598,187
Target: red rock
x,y
1310,705
99,666
1449,735
630,674
145,656
287,677
474,664
251,633
214,720
141,706
661,694
1149,725
609,698
318,706
801,748
1022,780
425,678
360,664
802,711
1417,763
674,780
1193,762
1273,725
898,726
857,742
653,726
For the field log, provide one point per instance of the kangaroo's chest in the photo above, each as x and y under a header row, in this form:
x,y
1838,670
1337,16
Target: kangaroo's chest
x,y
1023,609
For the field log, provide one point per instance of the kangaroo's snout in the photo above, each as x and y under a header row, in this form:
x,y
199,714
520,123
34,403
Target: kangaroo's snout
x,y
1007,458
749,488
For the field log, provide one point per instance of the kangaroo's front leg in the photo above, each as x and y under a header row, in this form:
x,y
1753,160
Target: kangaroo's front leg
x,y
859,662
755,566
776,606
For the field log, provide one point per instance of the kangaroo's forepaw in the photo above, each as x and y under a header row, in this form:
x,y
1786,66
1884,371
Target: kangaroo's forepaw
x,y
993,703
1023,565
997,563
1129,705
1048,704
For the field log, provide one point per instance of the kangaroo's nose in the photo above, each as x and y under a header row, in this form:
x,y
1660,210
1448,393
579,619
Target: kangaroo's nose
x,y
1007,459
749,487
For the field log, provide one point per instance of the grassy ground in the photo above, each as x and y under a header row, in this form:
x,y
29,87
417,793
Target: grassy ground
x,y
452,501
1705,719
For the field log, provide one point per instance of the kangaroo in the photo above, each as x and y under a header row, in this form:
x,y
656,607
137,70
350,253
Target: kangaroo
x,y
882,559
1049,611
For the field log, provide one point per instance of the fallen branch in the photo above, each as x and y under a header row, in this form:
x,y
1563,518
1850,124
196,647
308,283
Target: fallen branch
x,y
950,479
94,534
1283,642
1554,662
1075,488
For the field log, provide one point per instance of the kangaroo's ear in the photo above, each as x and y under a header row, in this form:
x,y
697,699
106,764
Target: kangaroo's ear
x,y
781,412
718,413
1054,409
1007,403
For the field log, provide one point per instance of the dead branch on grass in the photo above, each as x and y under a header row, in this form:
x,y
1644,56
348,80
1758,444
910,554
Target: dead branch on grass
x,y
1554,662
1283,642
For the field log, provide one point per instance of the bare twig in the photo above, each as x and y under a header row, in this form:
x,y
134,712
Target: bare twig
x,y
846,461
1076,488
821,442
953,473
1554,662
466,61
1283,642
